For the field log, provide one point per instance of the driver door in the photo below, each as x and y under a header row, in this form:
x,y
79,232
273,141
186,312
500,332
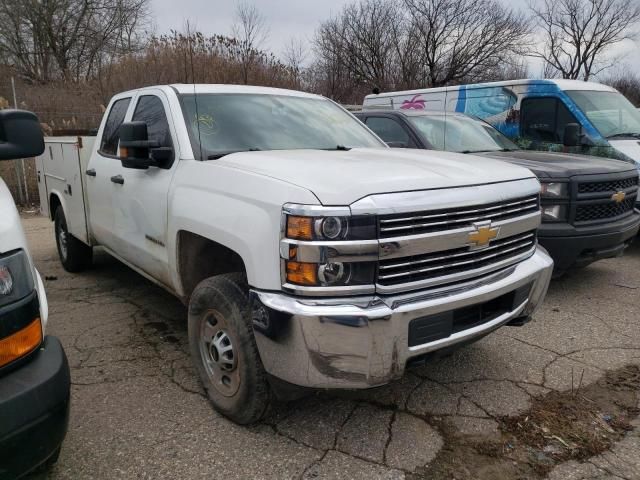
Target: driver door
x,y
140,219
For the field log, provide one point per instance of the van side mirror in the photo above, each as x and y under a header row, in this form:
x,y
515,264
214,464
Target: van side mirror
x,y
572,135
20,135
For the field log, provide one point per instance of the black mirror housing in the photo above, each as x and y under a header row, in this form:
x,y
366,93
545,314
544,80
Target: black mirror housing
x,y
572,135
20,135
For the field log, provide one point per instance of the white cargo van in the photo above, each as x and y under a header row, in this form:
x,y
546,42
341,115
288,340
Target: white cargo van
x,y
536,113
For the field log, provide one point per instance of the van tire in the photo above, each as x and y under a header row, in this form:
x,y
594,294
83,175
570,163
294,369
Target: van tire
x,y
224,351
75,255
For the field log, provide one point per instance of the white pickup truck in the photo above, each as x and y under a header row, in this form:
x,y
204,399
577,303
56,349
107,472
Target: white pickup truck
x,y
308,252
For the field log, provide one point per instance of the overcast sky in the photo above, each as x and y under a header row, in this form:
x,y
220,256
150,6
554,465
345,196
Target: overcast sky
x,y
287,19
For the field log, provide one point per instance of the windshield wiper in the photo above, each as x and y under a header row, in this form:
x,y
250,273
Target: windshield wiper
x,y
484,151
216,156
625,134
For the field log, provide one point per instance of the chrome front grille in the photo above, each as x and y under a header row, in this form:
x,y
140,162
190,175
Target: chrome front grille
x,y
395,225
442,267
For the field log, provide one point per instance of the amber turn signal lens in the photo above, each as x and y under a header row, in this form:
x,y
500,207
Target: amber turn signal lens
x,y
302,273
300,228
20,343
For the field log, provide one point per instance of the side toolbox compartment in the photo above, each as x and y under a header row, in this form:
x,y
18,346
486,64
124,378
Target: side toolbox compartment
x,y
61,181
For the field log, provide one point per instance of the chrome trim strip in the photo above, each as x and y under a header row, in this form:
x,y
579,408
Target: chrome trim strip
x,y
517,238
479,258
406,246
445,198
458,220
456,277
524,201
315,210
328,291
322,252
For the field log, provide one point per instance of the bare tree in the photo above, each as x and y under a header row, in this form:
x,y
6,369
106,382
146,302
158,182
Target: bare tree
x,y
578,34
68,39
294,55
626,82
251,31
462,39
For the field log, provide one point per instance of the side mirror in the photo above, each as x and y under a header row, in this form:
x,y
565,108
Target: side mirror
x,y
572,135
20,135
135,146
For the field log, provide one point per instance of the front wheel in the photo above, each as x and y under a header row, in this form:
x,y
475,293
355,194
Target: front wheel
x,y
224,349
75,256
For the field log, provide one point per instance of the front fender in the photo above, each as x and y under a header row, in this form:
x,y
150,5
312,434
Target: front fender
x,y
234,208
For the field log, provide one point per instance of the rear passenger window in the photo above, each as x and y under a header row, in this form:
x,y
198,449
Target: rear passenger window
x,y
151,110
110,134
389,130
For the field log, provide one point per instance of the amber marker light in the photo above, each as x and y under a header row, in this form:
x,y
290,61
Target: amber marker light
x,y
299,228
302,273
20,343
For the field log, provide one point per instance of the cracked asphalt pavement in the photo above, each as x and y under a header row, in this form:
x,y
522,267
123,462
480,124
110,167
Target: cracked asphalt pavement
x,y
138,410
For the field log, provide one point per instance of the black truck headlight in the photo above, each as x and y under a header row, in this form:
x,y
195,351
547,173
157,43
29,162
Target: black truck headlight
x,y
330,227
16,281
554,189
554,213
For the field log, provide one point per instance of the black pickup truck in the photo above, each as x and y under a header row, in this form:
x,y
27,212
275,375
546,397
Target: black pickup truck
x,y
587,202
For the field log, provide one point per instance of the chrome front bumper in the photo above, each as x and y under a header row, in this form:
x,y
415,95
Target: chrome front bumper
x,y
363,342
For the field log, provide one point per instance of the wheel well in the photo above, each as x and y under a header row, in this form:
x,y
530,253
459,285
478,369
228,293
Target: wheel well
x,y
54,203
200,258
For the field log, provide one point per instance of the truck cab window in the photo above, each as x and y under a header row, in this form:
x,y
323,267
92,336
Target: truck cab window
x,y
111,134
389,130
151,110
543,119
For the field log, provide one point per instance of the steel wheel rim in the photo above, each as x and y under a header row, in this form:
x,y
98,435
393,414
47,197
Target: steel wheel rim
x,y
218,354
62,240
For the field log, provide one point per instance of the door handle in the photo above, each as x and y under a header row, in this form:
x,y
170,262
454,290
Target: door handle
x,y
117,179
91,172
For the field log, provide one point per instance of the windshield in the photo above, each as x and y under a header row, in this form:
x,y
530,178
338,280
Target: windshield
x,y
611,113
456,133
246,122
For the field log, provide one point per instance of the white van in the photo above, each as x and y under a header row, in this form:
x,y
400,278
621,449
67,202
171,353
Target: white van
x,y
557,115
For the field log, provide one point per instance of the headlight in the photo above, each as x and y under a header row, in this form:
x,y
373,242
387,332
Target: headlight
x,y
330,227
328,247
554,213
16,281
554,189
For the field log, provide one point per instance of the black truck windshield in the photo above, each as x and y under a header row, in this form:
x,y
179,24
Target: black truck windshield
x,y
458,133
612,114
228,123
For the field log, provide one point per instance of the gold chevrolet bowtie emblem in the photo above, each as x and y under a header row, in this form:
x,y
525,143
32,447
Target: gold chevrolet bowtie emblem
x,y
618,197
483,235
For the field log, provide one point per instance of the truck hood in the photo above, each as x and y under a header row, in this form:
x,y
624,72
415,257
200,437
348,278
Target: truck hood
x,y
11,234
561,165
343,177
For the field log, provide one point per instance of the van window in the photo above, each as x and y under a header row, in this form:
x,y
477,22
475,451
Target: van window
x,y
543,119
111,132
151,110
389,130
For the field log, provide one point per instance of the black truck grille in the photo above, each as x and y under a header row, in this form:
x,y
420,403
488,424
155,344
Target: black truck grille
x,y
600,201
450,262
600,211
398,225
612,186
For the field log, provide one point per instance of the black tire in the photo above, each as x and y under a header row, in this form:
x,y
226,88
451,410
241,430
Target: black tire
x,y
224,351
50,462
75,255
